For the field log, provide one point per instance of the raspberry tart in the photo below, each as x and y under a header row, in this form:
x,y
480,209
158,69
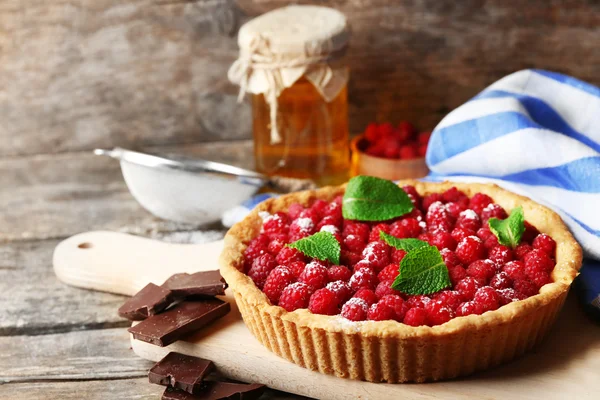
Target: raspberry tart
x,y
442,287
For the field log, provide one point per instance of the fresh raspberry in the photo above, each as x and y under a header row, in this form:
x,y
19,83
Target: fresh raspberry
x,y
310,214
430,199
545,243
460,233
515,270
296,268
530,232
500,254
492,210
275,246
482,270
386,129
329,221
423,137
443,240
457,274
278,279
354,243
419,301
294,210
341,289
487,298
302,227
396,303
288,255
522,250
323,301
350,258
375,235
390,272
538,261
467,287
408,152
338,273
359,229
424,237
372,132
405,228
453,195
295,296
334,231
501,281
397,255
438,312
470,249
334,210
454,209
367,295
450,258
415,214
319,207
261,266
314,275
276,224
484,233
509,295
480,201
380,312
491,242
363,278
448,297
415,317
525,287
468,219
377,254
415,197
468,308
406,130
257,247
539,278
384,288
437,218
355,309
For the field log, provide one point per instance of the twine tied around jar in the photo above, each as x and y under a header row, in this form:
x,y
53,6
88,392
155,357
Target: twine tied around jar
x,y
282,46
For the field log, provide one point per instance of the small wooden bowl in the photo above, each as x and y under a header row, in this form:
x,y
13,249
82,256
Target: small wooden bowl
x,y
364,164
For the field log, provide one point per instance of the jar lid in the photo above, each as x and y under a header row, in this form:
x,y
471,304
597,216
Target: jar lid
x,y
297,29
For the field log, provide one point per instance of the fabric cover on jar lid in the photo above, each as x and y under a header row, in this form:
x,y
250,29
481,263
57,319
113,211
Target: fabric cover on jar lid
x,y
283,45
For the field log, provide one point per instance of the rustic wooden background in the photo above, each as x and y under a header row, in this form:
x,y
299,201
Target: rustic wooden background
x,y
80,74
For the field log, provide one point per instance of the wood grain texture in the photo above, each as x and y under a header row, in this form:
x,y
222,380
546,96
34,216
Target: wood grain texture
x,y
57,196
76,74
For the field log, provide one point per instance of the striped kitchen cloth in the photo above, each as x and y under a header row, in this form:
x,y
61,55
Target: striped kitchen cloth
x,y
536,133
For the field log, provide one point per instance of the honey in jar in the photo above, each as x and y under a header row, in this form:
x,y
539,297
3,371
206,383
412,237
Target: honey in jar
x,y
291,60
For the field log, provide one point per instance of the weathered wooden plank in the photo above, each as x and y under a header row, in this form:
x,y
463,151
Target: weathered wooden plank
x,y
85,355
54,196
137,72
34,302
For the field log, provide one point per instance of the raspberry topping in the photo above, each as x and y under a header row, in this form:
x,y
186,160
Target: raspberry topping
x,y
484,274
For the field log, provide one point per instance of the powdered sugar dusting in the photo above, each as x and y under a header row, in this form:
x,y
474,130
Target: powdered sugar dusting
x,y
423,224
330,228
469,214
474,238
264,215
305,223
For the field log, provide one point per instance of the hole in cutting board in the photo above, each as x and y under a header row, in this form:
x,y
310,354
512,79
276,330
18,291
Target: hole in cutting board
x,y
85,245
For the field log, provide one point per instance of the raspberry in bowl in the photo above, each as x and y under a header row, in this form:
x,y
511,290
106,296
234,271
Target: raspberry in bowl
x,y
390,152
434,284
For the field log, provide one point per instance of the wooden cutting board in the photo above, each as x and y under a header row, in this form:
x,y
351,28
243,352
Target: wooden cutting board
x,y
567,363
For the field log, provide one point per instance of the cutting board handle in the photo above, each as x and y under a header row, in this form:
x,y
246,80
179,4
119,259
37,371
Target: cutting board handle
x,y
121,263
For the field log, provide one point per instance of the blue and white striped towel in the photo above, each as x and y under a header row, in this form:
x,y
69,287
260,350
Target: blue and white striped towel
x,y
536,133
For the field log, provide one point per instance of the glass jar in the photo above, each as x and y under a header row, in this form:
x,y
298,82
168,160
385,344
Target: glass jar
x,y
291,60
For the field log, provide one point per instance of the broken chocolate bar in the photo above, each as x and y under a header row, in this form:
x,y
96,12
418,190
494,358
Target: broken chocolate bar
x,y
150,300
181,319
181,372
218,390
205,283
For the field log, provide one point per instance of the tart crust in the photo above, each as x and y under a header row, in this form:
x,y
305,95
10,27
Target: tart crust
x,y
388,351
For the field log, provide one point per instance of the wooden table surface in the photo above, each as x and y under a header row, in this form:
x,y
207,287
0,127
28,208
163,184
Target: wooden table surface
x,y
59,342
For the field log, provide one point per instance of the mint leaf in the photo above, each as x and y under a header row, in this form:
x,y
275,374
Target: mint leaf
x,y
422,271
374,199
402,244
322,246
510,230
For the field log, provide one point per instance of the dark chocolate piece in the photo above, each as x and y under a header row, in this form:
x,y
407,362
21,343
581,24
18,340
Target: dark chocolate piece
x,y
150,300
183,318
218,390
205,283
181,372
